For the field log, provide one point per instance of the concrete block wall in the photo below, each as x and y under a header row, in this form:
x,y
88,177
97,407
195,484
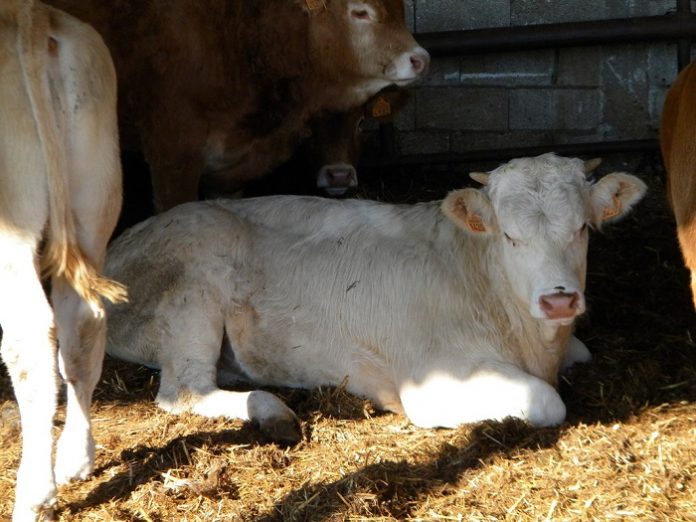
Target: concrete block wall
x,y
538,97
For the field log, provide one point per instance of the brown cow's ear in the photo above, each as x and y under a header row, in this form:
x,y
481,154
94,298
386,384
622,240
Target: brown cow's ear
x,y
613,196
470,210
384,105
380,108
312,6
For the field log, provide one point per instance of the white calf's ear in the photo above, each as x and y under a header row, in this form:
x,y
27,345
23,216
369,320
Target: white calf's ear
x,y
614,195
470,210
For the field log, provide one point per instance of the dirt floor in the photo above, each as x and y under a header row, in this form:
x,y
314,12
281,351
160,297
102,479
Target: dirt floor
x,y
625,452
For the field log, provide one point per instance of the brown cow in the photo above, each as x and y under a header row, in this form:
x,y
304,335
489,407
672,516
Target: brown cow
x,y
325,163
336,142
219,93
678,143
60,180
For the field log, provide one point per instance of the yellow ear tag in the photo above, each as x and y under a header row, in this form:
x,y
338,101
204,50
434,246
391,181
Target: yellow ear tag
x,y
613,211
475,223
314,5
381,108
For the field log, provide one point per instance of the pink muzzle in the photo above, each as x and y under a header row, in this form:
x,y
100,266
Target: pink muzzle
x,y
560,305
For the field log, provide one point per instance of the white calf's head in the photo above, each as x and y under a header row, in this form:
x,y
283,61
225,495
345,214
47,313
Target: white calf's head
x,y
538,211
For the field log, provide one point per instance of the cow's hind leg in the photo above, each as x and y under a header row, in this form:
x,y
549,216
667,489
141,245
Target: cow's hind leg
x,y
189,381
28,350
81,341
95,195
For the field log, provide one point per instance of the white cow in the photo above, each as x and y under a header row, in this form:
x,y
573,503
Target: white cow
x,y
449,312
59,179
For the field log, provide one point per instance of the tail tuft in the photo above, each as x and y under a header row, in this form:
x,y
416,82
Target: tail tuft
x,y
71,264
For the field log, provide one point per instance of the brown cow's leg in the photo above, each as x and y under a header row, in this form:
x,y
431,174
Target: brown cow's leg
x,y
686,233
174,144
174,182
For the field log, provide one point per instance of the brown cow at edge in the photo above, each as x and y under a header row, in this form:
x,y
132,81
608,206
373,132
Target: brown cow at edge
x,y
218,93
678,143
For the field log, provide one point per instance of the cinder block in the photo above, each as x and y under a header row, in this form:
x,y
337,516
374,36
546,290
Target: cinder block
x,y
577,109
453,109
509,69
452,15
662,71
579,66
443,71
528,98
568,137
625,89
655,104
531,109
424,142
410,8
662,63
630,8
554,109
527,12
467,141
405,119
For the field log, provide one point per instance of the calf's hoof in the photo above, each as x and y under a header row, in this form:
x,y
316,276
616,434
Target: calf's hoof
x,y
273,418
283,431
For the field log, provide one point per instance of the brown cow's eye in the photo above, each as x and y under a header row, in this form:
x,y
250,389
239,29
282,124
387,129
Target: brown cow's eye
x,y
360,14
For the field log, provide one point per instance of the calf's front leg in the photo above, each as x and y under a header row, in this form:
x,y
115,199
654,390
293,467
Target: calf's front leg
x,y
188,359
492,390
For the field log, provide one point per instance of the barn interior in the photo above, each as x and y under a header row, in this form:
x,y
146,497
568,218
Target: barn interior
x,y
508,79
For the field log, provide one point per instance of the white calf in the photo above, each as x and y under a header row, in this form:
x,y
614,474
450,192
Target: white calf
x,y
59,175
450,312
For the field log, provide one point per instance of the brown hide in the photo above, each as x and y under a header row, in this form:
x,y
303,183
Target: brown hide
x,y
224,90
678,143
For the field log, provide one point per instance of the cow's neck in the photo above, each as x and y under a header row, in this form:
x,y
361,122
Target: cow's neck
x,y
536,346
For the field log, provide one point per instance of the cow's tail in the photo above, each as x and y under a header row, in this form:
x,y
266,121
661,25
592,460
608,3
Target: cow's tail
x,y
63,256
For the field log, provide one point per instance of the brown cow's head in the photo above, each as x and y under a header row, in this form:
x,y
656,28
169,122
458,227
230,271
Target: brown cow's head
x,y
334,148
365,44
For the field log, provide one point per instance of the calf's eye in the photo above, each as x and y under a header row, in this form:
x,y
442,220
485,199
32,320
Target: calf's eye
x,y
513,242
